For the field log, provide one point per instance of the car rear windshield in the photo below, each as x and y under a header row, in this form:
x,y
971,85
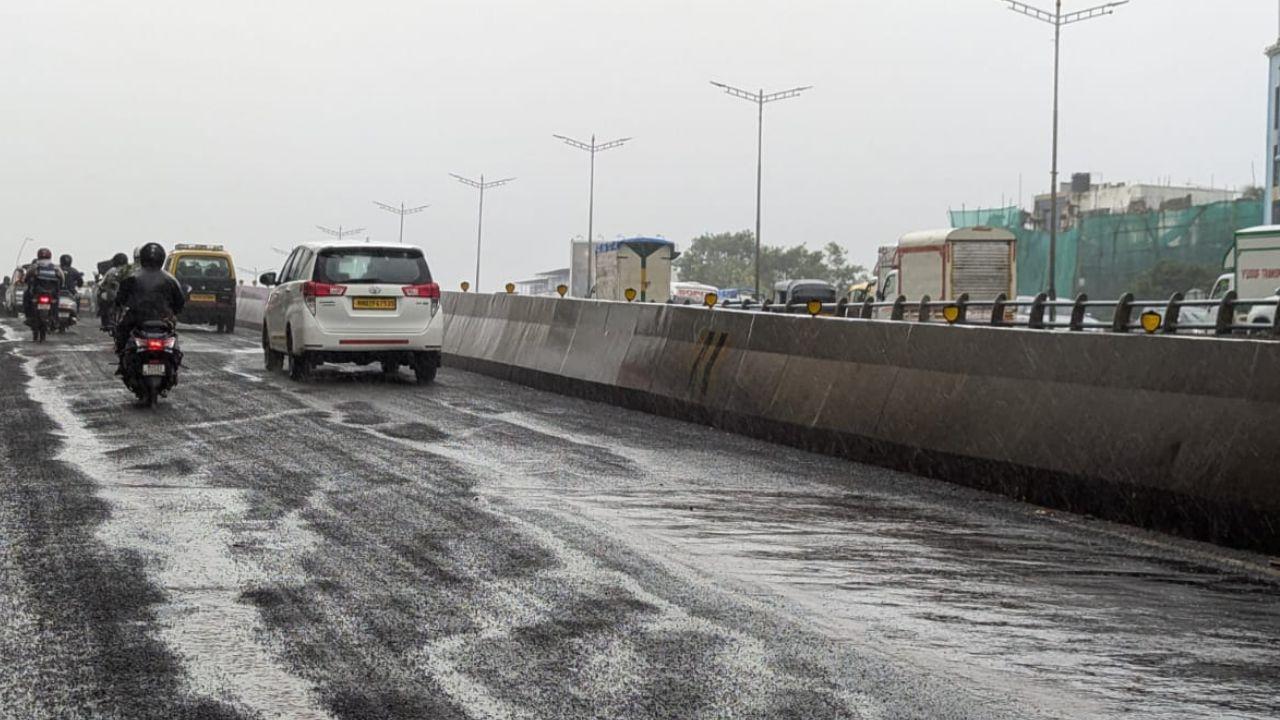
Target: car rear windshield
x,y
202,266
400,266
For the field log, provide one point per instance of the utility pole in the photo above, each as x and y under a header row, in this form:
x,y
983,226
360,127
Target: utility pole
x,y
480,185
1058,19
339,233
760,99
591,148
401,211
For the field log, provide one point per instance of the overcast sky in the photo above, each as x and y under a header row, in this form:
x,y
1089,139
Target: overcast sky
x,y
248,122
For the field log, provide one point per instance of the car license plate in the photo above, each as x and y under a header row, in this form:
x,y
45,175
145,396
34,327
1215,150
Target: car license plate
x,y
153,369
203,297
372,303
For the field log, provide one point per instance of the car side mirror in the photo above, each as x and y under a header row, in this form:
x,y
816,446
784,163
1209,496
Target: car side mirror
x,y
267,279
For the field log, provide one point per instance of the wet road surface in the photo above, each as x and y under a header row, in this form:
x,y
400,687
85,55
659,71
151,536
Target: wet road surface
x,y
361,547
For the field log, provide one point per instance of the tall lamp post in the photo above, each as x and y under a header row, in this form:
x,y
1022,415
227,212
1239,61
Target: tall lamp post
x,y
339,233
593,147
480,185
1058,19
761,99
25,241
401,211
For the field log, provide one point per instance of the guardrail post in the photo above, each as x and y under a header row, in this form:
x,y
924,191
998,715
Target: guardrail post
x,y
1124,314
997,309
924,309
842,307
869,310
899,308
1275,320
768,303
1226,313
1172,311
962,309
1077,313
1035,318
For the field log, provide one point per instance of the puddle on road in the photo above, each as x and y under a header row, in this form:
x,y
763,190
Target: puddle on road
x,y
181,527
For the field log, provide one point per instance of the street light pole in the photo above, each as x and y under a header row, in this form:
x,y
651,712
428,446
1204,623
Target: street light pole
x,y
480,185
401,211
18,261
339,233
1058,19
591,148
760,98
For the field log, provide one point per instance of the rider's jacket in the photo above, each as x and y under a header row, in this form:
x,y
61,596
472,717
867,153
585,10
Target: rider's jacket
x,y
151,294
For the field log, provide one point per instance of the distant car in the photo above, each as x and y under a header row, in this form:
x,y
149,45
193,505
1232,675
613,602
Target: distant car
x,y
209,275
14,293
353,303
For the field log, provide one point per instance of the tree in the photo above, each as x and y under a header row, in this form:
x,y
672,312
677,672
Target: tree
x,y
727,260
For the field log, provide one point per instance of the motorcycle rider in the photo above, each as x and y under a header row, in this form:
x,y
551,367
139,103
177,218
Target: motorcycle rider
x,y
42,276
149,294
73,279
108,287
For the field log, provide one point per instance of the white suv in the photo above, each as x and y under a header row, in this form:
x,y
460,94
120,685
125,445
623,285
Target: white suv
x,y
353,303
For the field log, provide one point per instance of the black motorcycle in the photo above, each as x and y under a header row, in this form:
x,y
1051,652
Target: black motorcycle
x,y
44,311
150,360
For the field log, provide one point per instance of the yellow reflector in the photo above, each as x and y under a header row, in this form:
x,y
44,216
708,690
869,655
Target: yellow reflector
x,y
1151,321
710,299
511,288
465,286
562,289
814,307
629,294
951,313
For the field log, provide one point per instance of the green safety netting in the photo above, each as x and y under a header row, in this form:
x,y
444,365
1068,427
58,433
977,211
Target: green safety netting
x,y
1106,255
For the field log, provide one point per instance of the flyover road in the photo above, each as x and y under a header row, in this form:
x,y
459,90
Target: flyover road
x,y
361,547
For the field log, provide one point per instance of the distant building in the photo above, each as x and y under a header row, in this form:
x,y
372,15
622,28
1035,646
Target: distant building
x,y
1082,198
543,283
1271,196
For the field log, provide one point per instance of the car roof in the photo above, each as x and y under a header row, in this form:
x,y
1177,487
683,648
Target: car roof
x,y
322,245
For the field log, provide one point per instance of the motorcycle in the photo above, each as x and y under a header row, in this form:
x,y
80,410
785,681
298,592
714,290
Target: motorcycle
x,y
150,360
44,315
68,310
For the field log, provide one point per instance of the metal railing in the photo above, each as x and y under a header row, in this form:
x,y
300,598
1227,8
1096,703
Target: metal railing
x,y
1221,316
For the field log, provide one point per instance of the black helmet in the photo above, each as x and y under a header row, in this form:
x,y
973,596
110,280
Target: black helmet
x,y
44,254
119,260
65,261
151,256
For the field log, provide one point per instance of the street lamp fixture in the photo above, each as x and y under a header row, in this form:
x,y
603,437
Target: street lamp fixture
x,y
592,147
480,185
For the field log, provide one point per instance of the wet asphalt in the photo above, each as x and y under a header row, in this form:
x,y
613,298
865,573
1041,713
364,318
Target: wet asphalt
x,y
362,547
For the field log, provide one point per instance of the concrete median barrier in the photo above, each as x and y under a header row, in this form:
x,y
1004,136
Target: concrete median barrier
x,y
1173,433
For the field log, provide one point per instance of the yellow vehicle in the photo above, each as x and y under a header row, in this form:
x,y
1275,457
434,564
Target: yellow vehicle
x,y
208,276
861,291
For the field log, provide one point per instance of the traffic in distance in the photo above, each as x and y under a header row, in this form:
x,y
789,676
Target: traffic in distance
x,y
356,303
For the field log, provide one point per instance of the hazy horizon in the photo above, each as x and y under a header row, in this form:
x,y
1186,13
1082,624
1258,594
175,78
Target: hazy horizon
x,y
247,125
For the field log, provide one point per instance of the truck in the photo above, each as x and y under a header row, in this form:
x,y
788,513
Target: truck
x,y
1253,271
642,264
944,264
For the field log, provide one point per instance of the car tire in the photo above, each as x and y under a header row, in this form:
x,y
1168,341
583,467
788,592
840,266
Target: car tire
x,y
299,364
424,368
229,325
273,360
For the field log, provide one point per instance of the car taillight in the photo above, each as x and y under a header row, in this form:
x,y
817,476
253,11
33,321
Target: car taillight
x,y
312,289
430,291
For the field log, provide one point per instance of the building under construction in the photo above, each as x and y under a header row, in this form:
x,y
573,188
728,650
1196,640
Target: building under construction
x,y
1113,237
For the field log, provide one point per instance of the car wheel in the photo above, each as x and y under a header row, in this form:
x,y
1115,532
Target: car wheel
x,y
230,324
299,364
424,368
274,360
